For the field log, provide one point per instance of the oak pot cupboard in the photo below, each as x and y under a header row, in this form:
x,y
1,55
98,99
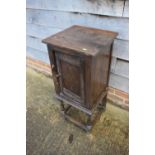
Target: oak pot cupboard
x,y
80,60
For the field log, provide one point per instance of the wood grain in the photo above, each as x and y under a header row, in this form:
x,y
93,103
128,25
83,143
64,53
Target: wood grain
x,y
100,7
122,68
45,18
120,48
126,9
62,20
71,64
88,41
37,55
119,82
35,43
116,81
40,31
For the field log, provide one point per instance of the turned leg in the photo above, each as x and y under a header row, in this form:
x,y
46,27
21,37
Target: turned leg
x,y
62,106
89,122
103,103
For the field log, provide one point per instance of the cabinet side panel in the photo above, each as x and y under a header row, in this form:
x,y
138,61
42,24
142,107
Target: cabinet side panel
x,y
100,73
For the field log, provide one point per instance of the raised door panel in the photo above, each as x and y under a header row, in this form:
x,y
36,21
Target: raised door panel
x,y
71,77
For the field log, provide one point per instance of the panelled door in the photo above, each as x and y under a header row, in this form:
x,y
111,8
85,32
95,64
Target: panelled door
x,y
71,77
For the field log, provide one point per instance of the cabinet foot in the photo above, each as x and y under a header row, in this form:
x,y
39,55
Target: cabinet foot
x,y
102,104
62,106
89,123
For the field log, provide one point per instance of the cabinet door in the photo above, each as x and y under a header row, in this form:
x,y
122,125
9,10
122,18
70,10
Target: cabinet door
x,y
71,77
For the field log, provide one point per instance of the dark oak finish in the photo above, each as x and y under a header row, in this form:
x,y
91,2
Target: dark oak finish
x,y
80,60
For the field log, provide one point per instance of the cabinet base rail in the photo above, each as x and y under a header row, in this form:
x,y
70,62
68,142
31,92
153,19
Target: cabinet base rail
x,y
91,117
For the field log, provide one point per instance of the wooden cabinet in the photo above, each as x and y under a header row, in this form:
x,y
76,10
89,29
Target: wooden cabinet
x,y
80,61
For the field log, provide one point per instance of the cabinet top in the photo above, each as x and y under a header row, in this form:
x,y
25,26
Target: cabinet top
x,y
84,40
